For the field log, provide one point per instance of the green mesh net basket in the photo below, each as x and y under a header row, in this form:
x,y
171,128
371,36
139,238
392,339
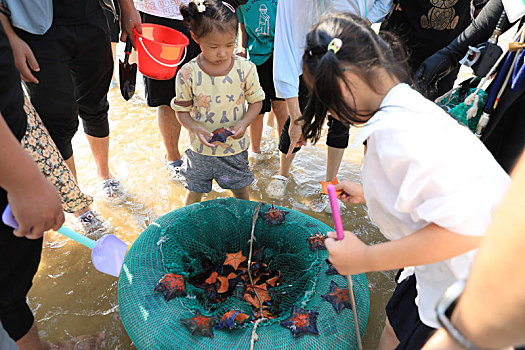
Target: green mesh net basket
x,y
465,104
179,241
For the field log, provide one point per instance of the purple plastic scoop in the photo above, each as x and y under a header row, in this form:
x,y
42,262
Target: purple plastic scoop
x,y
107,253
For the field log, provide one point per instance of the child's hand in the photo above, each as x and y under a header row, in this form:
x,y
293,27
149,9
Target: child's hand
x,y
238,130
352,192
241,51
347,255
204,136
36,208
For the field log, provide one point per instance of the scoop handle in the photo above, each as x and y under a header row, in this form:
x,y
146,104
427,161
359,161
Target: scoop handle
x,y
9,219
336,214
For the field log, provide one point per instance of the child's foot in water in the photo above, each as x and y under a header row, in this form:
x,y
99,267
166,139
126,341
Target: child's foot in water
x,y
174,168
113,190
277,186
82,342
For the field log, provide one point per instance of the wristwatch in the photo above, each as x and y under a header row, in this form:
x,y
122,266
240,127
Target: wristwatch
x,y
444,309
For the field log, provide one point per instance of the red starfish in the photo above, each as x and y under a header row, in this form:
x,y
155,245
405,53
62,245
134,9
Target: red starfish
x,y
301,321
200,324
171,285
338,297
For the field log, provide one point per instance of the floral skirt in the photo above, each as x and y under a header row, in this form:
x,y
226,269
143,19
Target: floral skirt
x,y
38,143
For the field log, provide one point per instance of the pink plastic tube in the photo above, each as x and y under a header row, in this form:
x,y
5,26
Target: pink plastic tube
x,y
336,214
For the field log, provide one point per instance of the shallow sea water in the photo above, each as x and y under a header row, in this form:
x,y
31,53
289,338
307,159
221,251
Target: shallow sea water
x,y
71,298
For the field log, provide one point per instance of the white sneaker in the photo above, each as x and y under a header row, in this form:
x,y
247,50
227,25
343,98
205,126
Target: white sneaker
x,y
93,226
277,187
174,168
113,191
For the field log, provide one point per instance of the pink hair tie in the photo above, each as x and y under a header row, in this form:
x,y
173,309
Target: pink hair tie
x,y
228,6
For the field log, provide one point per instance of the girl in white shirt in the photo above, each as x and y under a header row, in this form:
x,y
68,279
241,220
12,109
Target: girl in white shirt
x,y
430,185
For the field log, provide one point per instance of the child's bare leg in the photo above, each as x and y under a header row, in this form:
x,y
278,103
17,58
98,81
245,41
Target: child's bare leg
x,y
388,339
270,119
335,156
280,110
241,193
256,130
192,197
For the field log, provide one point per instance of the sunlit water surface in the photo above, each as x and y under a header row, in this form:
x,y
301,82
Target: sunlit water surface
x,y
71,298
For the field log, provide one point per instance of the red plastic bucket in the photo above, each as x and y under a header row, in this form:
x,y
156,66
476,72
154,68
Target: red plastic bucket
x,y
159,50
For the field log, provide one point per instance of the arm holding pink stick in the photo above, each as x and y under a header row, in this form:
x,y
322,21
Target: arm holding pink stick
x,y
336,214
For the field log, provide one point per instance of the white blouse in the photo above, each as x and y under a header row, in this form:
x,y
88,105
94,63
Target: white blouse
x,y
422,167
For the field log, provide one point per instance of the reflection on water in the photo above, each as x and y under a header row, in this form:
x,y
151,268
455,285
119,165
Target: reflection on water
x,y
71,298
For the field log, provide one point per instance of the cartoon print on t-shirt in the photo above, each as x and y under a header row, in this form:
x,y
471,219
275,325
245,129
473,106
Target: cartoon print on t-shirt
x,y
264,21
204,101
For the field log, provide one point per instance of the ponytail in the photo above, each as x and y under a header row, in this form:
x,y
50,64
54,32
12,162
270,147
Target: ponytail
x,y
361,50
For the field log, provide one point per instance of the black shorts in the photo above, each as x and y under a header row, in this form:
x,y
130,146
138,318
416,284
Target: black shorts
x,y
76,65
161,92
338,133
19,259
403,316
265,73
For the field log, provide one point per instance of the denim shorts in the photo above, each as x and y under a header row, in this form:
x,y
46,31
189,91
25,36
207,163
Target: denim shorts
x,y
230,172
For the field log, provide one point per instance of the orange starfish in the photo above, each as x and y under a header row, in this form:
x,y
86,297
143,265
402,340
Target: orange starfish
x,y
253,300
326,183
224,284
212,278
273,281
241,317
266,313
262,290
234,259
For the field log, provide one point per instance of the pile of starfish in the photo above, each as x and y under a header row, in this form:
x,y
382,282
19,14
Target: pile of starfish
x,y
231,279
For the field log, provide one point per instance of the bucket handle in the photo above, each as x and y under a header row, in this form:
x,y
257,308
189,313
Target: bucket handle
x,y
162,63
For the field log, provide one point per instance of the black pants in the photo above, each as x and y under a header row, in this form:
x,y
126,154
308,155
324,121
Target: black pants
x,y
504,136
113,23
338,133
161,92
19,259
76,65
